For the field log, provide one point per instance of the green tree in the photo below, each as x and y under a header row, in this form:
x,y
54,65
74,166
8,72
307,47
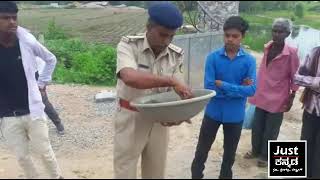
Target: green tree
x,y
54,31
187,5
190,11
299,10
256,6
114,3
135,3
285,5
249,6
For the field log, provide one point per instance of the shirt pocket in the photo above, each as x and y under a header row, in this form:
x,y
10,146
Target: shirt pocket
x,y
144,67
242,73
219,73
279,69
167,71
143,64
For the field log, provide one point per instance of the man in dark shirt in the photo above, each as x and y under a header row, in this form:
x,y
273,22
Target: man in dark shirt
x,y
14,90
22,118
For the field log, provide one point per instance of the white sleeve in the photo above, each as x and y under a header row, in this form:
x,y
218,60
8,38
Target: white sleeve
x,y
50,62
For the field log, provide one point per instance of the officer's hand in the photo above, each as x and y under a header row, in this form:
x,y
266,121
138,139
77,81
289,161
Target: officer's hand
x,y
169,124
182,90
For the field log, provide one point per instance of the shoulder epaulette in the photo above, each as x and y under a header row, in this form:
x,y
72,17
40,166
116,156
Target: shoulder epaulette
x,y
176,49
128,39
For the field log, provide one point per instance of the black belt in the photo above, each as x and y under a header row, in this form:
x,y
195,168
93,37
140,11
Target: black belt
x,y
14,113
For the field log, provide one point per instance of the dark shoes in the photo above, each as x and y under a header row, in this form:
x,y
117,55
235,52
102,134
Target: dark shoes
x,y
250,155
262,163
60,129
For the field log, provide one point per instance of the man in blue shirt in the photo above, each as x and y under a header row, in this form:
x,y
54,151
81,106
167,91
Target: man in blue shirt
x,y
231,72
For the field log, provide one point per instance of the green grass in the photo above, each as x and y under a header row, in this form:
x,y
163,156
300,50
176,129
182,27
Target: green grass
x,y
311,19
311,4
260,25
94,25
253,19
107,26
255,43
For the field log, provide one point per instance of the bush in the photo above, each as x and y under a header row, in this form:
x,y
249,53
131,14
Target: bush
x,y
85,63
79,61
315,8
256,37
255,43
299,10
54,32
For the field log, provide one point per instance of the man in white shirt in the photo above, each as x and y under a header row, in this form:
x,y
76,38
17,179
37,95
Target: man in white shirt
x,y
22,117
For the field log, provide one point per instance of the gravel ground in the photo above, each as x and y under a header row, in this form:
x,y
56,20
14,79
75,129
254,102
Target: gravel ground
x,y
85,151
87,124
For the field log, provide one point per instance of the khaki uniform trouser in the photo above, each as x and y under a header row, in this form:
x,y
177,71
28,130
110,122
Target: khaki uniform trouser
x,y
135,137
20,132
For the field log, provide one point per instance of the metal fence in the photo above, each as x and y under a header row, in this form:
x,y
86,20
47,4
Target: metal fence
x,y
196,48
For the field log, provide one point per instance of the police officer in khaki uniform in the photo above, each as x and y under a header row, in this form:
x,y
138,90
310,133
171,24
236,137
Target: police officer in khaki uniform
x,y
147,64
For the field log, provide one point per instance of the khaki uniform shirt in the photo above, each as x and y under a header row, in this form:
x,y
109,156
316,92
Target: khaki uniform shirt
x,y
135,52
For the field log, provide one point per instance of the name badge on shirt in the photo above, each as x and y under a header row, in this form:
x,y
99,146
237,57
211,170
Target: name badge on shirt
x,y
143,66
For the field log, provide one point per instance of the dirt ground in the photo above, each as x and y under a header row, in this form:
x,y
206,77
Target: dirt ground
x,y
85,151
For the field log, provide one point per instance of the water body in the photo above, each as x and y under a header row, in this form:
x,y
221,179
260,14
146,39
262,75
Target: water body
x,y
304,38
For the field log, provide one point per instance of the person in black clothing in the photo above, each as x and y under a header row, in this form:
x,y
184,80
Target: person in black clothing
x,y
308,76
50,111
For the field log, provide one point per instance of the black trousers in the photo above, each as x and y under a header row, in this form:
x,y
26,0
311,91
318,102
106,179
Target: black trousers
x,y
49,110
311,133
265,126
208,131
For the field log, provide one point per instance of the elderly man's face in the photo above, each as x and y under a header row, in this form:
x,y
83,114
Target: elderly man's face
x,y
279,34
159,37
8,22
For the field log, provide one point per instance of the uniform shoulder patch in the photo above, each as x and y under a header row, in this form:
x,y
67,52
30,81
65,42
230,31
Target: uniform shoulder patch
x,y
176,48
128,39
140,34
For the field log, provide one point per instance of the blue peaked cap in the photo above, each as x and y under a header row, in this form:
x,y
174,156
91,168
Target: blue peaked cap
x,y
166,14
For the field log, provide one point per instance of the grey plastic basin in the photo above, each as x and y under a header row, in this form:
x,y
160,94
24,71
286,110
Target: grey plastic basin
x,y
168,106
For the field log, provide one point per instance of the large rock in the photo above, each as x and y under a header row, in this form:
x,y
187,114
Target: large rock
x,y
213,14
105,96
